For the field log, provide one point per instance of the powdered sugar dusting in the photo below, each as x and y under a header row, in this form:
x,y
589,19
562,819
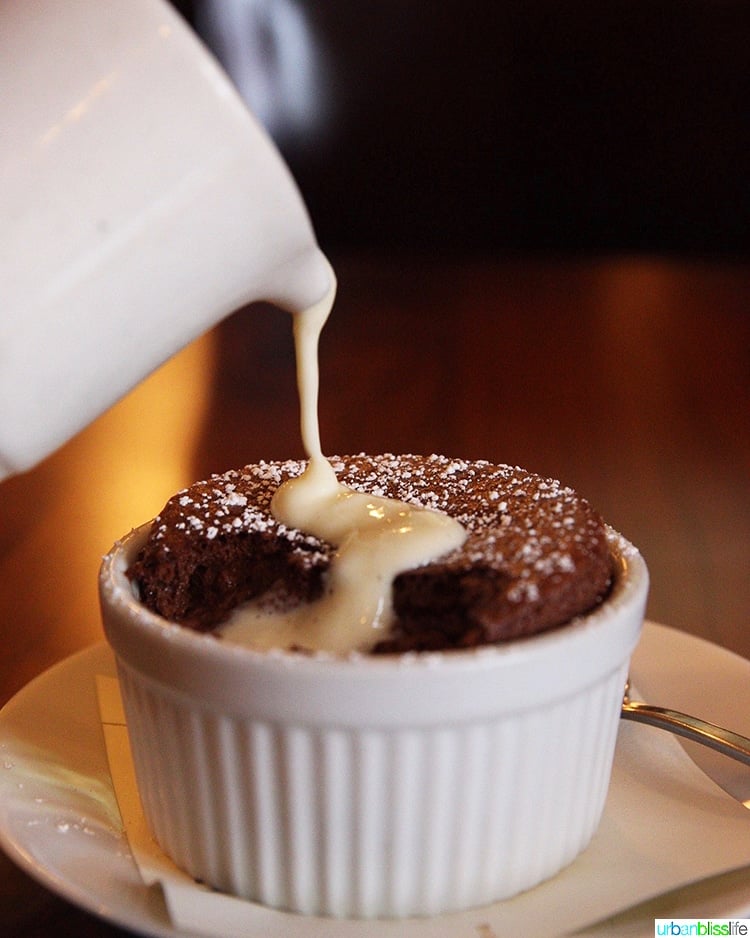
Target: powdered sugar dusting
x,y
538,537
492,501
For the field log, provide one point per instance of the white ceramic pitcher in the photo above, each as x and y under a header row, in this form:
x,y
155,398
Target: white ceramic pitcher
x,y
140,203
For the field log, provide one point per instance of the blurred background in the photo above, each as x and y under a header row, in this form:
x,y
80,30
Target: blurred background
x,y
515,125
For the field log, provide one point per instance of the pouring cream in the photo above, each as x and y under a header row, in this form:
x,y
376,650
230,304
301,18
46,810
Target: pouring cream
x,y
114,255
106,275
375,537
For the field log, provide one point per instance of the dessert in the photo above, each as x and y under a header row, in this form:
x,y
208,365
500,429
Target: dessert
x,y
534,557
464,761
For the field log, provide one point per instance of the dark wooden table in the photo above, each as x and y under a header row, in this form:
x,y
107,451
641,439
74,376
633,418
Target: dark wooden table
x,y
628,378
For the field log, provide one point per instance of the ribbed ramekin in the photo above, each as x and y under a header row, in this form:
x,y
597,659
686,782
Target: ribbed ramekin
x,y
373,786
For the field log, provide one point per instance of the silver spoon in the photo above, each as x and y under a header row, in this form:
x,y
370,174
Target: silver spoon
x,y
700,731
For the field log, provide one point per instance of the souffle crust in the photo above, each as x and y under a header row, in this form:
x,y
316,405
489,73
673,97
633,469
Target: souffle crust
x,y
535,557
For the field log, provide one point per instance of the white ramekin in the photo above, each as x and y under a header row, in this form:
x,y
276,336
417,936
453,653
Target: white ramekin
x,y
373,786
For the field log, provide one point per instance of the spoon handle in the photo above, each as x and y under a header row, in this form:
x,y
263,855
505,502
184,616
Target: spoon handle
x,y
701,731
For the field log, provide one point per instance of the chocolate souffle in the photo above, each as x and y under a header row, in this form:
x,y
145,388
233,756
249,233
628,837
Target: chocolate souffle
x,y
535,557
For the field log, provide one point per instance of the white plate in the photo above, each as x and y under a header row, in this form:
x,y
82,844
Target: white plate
x,y
60,823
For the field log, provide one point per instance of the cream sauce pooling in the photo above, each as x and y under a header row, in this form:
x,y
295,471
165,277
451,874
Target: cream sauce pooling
x,y
375,537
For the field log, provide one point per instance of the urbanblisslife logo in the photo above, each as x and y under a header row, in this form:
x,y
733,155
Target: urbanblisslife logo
x,y
701,927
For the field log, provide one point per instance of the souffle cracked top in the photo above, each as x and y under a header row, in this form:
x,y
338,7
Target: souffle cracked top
x,y
535,555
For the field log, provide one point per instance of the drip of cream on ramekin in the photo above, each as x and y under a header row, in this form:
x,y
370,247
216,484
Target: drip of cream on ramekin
x,y
375,538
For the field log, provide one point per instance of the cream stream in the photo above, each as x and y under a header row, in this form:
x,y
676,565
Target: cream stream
x,y
375,538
